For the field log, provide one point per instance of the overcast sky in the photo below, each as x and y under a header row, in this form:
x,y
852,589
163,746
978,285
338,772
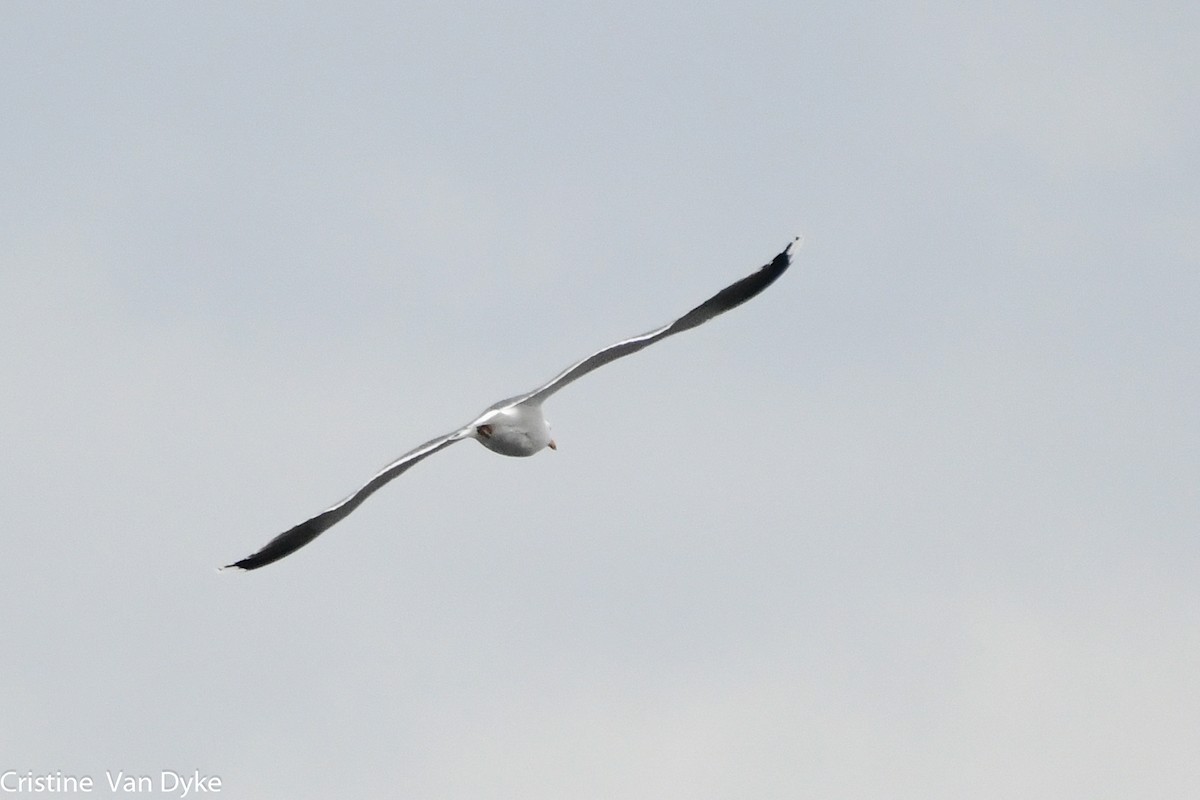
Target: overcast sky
x,y
921,521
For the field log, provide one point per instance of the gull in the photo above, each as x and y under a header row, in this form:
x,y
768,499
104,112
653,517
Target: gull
x,y
516,426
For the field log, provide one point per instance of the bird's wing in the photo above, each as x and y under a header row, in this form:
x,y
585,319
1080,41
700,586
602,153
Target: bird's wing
x,y
293,539
730,297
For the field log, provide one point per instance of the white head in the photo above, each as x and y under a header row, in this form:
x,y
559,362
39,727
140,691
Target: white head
x,y
518,430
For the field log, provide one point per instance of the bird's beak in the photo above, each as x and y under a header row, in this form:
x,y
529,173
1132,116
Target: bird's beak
x,y
552,445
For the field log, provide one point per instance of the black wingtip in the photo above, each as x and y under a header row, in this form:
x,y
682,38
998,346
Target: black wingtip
x,y
268,555
778,265
292,539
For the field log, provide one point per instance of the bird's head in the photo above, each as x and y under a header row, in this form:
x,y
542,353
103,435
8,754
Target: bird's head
x,y
515,431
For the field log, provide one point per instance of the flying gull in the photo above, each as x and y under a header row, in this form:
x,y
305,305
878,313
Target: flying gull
x,y
516,427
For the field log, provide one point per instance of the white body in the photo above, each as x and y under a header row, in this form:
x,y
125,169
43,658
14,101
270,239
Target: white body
x,y
518,430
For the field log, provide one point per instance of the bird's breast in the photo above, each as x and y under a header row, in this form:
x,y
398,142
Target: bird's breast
x,y
512,441
518,430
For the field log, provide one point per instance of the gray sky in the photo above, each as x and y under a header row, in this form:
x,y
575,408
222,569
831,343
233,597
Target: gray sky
x,y
919,522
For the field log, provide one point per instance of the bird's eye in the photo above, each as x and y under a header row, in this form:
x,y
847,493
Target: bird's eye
x,y
484,430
